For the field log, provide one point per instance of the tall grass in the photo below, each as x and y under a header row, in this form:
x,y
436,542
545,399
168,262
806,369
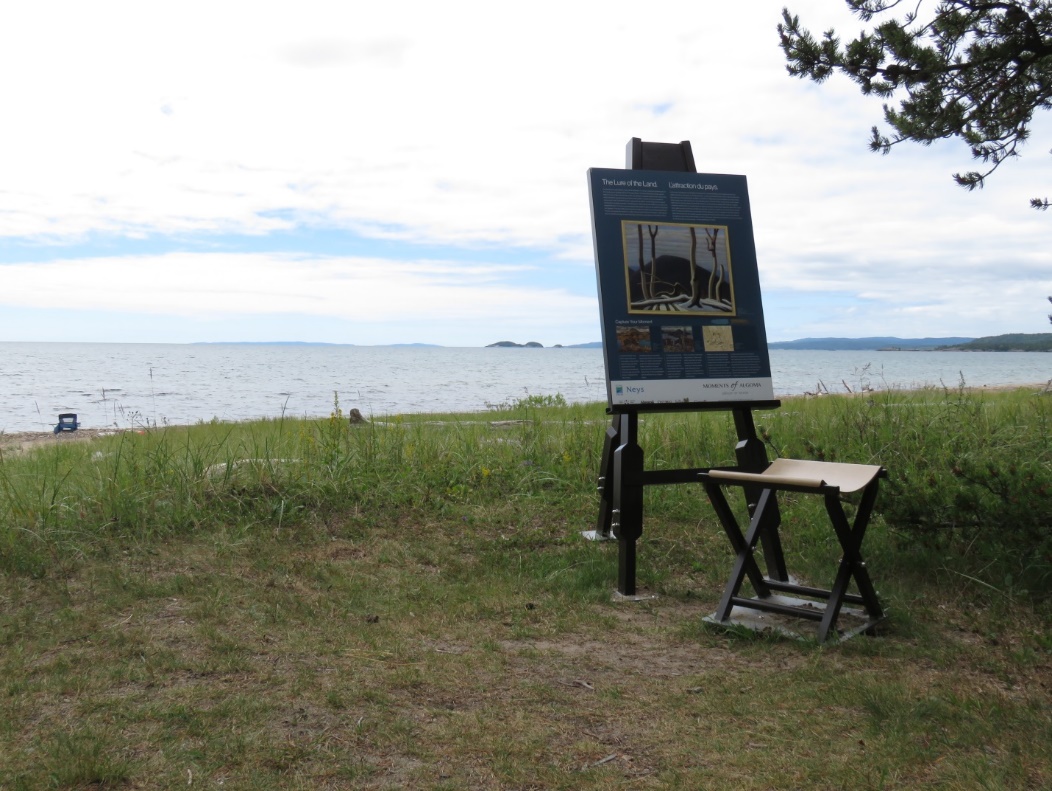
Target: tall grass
x,y
970,485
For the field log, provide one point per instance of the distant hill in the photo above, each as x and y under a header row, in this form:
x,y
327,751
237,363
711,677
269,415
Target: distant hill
x,y
535,345
300,343
867,344
268,343
1013,342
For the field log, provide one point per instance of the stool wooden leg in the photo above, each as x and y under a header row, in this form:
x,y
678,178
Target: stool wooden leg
x,y
853,548
836,599
851,564
745,562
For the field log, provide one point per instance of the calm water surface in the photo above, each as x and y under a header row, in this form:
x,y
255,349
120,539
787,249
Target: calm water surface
x,y
132,384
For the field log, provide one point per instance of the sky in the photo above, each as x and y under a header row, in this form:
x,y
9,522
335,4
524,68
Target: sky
x,y
415,172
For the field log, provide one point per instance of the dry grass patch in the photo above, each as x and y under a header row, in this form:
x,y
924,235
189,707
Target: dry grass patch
x,y
361,660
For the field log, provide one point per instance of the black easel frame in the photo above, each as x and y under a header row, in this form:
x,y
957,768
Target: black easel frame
x,y
622,475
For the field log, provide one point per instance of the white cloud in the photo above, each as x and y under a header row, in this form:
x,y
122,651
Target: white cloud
x,y
467,123
460,121
213,285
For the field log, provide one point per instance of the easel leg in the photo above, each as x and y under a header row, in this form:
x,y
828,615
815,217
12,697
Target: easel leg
x,y
626,568
606,479
627,514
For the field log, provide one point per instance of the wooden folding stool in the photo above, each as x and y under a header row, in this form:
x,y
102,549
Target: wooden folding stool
x,y
828,479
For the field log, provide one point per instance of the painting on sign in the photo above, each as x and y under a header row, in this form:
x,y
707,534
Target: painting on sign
x,y
633,340
678,268
677,340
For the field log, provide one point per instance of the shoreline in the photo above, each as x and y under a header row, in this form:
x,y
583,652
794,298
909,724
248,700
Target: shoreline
x,y
18,442
22,441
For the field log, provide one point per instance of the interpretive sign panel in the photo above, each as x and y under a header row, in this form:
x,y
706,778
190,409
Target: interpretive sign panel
x,y
679,291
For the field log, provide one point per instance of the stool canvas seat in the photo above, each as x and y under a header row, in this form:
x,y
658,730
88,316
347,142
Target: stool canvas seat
x,y
829,480
806,474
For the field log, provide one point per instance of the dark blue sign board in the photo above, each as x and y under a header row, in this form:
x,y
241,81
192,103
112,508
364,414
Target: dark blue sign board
x,y
679,290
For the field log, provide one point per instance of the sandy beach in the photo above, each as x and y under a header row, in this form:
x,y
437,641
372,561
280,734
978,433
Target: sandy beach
x,y
22,441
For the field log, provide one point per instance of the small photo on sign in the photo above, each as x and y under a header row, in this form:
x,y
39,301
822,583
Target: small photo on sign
x,y
634,340
717,339
677,340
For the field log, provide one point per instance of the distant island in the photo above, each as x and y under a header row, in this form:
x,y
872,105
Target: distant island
x,y
535,345
1016,342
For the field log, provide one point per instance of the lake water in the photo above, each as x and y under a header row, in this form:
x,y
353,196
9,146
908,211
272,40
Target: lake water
x,y
125,385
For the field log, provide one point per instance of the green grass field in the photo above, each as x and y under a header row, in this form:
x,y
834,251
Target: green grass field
x,y
409,604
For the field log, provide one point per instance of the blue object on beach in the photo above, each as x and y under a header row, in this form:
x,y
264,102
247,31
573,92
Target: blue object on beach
x,y
67,421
